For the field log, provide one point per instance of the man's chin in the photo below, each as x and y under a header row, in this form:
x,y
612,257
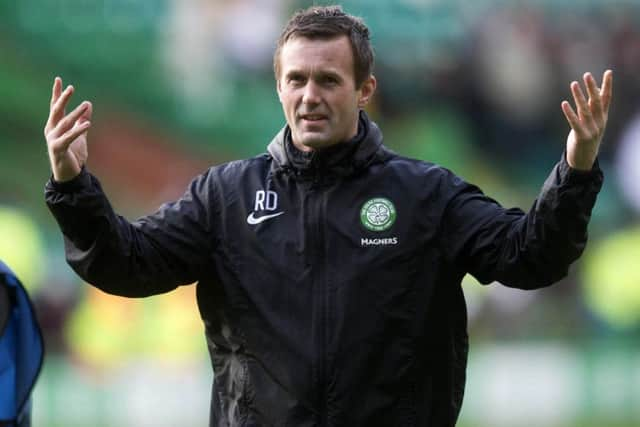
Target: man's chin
x,y
313,142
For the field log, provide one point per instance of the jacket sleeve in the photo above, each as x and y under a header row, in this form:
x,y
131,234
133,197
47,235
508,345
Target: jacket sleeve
x,y
151,255
521,250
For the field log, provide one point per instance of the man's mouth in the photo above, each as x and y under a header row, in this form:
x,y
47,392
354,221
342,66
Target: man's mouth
x,y
313,117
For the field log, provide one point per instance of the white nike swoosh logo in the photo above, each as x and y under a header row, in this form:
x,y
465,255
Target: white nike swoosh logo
x,y
253,220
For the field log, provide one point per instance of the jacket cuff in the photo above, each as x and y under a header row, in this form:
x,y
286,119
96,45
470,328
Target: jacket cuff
x,y
571,175
80,181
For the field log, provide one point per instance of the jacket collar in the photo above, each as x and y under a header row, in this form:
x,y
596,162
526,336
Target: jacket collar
x,y
341,159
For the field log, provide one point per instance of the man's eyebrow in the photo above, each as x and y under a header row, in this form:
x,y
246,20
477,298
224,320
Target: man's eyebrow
x,y
293,72
321,73
329,73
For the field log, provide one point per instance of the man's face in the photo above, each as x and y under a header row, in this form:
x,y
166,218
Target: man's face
x,y
316,87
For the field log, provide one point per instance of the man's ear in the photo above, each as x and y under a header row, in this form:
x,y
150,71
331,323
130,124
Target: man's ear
x,y
367,89
278,90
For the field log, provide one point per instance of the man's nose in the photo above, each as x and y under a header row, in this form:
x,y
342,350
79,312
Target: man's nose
x,y
311,93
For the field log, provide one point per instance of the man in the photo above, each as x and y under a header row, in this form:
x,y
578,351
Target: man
x,y
329,268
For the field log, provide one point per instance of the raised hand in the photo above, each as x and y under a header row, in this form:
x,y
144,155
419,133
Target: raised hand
x,y
66,135
590,121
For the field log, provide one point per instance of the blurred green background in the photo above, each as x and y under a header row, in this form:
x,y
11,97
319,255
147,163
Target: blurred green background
x,y
178,85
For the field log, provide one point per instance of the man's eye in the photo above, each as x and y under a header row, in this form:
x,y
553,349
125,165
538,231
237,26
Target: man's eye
x,y
330,80
296,79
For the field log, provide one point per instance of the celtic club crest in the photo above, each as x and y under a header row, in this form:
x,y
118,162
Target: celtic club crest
x,y
378,214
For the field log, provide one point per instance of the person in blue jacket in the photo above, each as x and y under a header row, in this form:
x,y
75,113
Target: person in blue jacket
x,y
21,351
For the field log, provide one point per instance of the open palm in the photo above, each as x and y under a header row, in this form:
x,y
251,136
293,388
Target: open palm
x,y
588,121
66,135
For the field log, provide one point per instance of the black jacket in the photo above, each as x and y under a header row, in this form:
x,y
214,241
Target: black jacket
x,y
342,307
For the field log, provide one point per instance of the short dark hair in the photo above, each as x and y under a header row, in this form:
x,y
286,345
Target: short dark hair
x,y
329,22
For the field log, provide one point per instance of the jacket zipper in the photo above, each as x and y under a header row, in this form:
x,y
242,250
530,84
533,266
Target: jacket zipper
x,y
318,190
326,295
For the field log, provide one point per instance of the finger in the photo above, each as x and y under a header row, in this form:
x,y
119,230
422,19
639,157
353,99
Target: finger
x,y
64,141
595,103
592,87
56,90
572,118
55,95
86,116
579,98
57,110
584,113
69,120
606,90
